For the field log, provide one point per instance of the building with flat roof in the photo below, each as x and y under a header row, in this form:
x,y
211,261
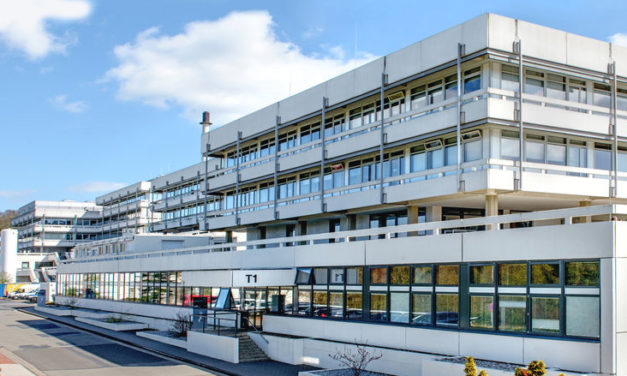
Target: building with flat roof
x,y
461,196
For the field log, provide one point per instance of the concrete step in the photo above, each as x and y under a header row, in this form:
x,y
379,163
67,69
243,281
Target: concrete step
x,y
249,351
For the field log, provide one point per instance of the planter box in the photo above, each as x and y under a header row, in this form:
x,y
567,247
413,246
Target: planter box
x,y
444,368
56,311
93,314
123,326
153,336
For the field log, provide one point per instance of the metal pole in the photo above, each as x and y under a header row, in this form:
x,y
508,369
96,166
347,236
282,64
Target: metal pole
x,y
206,186
276,163
237,159
325,103
521,149
383,82
460,51
613,190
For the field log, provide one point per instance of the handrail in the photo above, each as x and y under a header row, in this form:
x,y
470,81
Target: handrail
x,y
429,228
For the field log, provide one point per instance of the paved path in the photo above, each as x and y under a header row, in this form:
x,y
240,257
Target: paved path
x,y
264,368
34,346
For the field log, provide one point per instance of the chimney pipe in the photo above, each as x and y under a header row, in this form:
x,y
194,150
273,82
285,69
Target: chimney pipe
x,y
206,122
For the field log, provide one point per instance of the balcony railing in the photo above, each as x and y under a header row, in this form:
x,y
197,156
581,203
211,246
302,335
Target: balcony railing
x,y
564,217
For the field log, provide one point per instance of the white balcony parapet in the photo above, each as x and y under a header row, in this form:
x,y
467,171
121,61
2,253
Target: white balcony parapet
x,y
565,216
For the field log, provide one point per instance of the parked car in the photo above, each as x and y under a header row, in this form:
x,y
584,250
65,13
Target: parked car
x,y
32,296
13,294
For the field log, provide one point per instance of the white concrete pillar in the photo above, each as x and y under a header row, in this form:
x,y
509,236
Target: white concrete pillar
x,y
434,213
491,209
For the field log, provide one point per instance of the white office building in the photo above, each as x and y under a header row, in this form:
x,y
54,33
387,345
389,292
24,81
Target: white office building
x,y
461,196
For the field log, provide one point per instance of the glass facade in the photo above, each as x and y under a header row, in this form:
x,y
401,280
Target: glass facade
x,y
556,298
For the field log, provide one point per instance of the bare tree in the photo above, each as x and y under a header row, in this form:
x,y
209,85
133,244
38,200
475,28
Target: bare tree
x,y
182,323
356,360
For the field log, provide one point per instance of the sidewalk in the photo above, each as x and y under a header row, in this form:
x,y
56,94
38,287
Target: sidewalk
x,y
264,368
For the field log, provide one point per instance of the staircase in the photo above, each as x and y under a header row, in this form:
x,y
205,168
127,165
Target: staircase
x,y
249,351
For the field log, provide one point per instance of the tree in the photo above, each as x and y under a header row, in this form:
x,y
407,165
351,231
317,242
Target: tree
x,y
5,278
6,217
357,360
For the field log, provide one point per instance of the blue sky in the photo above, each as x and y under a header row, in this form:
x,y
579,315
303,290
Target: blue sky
x,y
96,94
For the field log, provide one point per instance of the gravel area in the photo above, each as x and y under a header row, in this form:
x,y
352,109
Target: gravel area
x,y
485,364
346,372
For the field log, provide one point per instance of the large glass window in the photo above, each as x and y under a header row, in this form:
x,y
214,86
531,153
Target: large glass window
x,y
510,145
353,305
513,313
509,78
304,302
447,275
545,314
378,306
582,273
545,274
482,312
422,275
602,156
481,275
320,308
447,309
399,307
513,274
320,276
421,309
354,276
399,275
582,316
336,304
378,276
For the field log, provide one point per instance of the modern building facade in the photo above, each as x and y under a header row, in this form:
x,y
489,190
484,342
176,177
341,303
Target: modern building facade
x,y
461,196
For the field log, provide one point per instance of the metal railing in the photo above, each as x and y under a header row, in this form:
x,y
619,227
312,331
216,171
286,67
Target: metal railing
x,y
561,216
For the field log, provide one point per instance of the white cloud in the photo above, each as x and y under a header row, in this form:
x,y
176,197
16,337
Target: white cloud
x,y
23,24
61,102
619,38
15,194
96,187
230,66
313,32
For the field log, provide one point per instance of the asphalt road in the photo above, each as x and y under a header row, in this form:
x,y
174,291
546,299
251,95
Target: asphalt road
x,y
33,346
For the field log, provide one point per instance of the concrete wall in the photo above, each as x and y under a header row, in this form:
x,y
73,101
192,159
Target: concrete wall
x,y
219,347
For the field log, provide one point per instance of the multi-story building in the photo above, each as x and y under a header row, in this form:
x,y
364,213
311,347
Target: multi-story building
x,y
180,200
126,209
56,226
461,196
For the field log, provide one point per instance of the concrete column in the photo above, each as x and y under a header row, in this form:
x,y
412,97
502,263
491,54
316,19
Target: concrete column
x,y
412,218
491,209
433,213
585,219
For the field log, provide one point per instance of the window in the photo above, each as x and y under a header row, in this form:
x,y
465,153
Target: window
x,y
545,314
303,276
534,83
482,312
421,309
582,273
447,309
472,80
534,148
399,306
601,95
337,276
471,142
512,274
556,151
509,78
304,302
422,275
577,90
545,274
25,265
320,276
510,145
418,97
354,276
556,86
353,305
481,275
378,276
447,275
336,304
320,304
378,307
450,86
418,159
582,316
602,156
399,275
513,313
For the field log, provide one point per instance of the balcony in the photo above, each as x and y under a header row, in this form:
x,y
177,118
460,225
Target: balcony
x,y
178,201
554,234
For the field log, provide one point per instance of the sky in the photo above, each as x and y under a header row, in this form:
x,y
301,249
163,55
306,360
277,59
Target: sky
x,y
99,94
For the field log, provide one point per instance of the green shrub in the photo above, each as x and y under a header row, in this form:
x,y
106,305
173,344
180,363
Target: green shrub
x,y
536,368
